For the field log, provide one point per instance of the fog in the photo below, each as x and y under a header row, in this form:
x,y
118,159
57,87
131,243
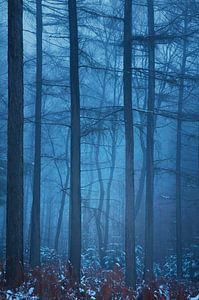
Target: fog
x,y
174,166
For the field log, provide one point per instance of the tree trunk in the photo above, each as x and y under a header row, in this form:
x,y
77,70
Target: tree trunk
x,y
98,216
61,211
130,272
109,185
179,160
112,168
63,198
140,191
49,224
14,235
35,214
75,198
148,272
87,215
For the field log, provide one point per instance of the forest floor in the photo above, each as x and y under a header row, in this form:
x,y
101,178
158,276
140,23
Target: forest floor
x,y
52,282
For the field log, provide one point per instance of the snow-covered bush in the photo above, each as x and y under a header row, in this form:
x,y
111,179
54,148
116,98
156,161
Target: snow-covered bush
x,y
113,256
49,255
190,266
90,258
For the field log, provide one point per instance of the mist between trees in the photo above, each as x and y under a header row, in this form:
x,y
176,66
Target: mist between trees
x,y
99,127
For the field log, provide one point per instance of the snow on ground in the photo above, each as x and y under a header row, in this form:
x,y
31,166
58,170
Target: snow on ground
x,y
194,298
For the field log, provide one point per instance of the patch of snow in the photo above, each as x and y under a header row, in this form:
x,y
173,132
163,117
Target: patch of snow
x,y
91,293
30,291
194,298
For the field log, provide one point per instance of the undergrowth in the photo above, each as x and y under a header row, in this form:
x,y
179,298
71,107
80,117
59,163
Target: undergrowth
x,y
53,282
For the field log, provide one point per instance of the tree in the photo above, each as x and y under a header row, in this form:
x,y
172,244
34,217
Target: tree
x,y
75,193
98,214
14,233
178,154
35,217
110,182
130,272
150,146
63,195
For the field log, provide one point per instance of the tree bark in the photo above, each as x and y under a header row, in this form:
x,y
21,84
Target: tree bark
x,y
109,185
63,199
112,168
140,191
130,272
35,213
87,214
98,216
14,223
75,198
179,160
148,272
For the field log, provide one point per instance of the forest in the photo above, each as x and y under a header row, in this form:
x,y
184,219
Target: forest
x,y
99,149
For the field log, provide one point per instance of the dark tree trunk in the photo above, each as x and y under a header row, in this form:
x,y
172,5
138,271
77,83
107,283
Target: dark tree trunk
x,y
179,160
98,216
35,214
87,214
130,273
99,211
140,191
14,235
148,272
109,185
63,199
61,212
3,232
49,224
75,198
112,169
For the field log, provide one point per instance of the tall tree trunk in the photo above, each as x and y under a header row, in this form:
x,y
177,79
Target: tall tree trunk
x,y
148,272
87,208
63,197
49,224
27,194
112,167
179,159
14,234
61,212
75,198
99,211
3,232
130,272
43,221
109,185
35,214
140,191
98,216
196,231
